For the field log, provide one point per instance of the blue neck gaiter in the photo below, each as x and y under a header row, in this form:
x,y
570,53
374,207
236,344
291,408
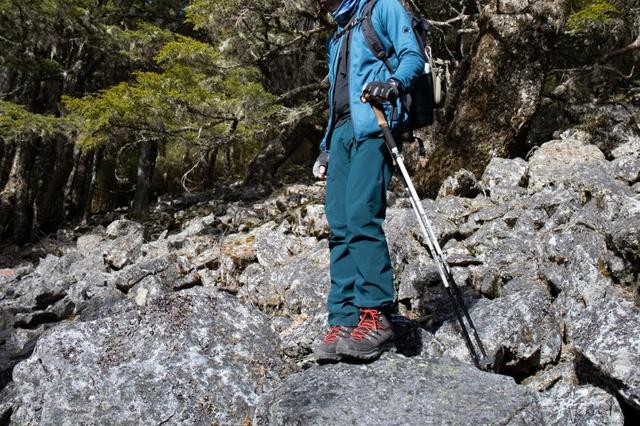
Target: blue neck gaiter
x,y
343,13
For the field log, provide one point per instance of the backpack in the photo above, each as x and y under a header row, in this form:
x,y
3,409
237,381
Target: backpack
x,y
428,91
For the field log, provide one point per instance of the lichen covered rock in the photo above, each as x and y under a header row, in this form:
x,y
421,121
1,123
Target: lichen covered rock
x,y
189,357
398,390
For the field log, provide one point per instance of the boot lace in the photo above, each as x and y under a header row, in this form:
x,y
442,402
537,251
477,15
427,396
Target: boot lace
x,y
369,320
332,335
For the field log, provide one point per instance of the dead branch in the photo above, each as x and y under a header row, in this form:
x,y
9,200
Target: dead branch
x,y
299,90
632,46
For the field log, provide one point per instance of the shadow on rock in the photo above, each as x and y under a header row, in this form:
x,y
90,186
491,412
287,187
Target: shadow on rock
x,y
408,335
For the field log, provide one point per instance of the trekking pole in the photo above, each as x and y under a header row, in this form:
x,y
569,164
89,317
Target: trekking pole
x,y
453,291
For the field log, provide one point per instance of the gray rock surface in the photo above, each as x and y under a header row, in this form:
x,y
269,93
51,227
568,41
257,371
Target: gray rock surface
x,y
516,328
61,287
553,163
291,276
189,357
295,289
463,183
609,125
625,236
545,253
314,222
627,169
7,403
397,390
606,334
299,335
579,405
505,173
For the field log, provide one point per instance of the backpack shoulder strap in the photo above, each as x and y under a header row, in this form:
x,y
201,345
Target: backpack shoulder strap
x,y
371,37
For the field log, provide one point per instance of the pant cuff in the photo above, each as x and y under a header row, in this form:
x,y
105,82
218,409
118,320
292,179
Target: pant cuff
x,y
344,319
385,307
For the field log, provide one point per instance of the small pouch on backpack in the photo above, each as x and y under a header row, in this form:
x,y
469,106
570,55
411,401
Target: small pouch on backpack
x,y
439,80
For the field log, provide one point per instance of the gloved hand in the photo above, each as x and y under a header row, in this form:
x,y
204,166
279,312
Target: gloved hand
x,y
382,91
320,166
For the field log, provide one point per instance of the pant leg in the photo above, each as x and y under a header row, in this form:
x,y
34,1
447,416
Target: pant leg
x,y
342,310
369,176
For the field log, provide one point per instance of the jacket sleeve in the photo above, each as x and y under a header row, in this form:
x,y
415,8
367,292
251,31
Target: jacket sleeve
x,y
323,143
394,23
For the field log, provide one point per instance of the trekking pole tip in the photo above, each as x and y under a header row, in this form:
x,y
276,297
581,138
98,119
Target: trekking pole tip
x,y
486,363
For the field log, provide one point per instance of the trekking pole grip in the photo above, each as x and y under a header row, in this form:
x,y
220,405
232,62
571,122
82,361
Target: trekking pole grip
x,y
382,122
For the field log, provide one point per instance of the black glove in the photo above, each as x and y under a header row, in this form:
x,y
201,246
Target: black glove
x,y
383,91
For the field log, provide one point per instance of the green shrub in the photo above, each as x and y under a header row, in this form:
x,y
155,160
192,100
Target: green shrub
x,y
590,12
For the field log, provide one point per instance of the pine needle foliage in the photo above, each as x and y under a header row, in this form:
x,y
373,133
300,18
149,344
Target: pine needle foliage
x,y
16,123
194,99
587,13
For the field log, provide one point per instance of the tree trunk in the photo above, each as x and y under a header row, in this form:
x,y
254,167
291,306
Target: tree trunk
x,y
71,204
3,153
147,153
228,158
210,178
81,184
15,199
501,92
185,161
6,160
43,170
90,182
262,169
49,205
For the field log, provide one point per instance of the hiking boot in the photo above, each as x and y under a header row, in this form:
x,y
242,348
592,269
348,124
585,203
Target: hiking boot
x,y
326,349
370,338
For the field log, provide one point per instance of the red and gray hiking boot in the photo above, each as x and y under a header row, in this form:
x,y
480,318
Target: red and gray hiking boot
x,y
326,349
370,338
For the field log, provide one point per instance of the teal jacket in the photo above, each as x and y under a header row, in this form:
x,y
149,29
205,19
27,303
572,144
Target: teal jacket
x,y
393,26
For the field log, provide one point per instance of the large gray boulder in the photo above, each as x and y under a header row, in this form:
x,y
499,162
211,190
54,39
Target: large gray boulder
x,y
128,238
196,356
609,125
505,173
518,329
291,280
606,335
396,390
463,184
553,162
579,405
578,267
63,286
291,275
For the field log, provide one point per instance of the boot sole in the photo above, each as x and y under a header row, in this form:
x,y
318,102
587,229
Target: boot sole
x,y
324,356
371,354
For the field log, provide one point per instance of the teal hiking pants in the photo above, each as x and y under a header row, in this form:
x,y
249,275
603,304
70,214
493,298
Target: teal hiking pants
x,y
357,180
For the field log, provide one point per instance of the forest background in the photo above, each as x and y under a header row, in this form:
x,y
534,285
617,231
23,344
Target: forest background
x,y
108,104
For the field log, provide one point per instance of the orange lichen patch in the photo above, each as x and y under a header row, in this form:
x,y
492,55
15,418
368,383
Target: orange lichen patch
x,y
6,272
238,247
299,319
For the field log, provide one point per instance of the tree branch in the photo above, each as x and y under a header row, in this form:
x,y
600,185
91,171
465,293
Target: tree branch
x,y
298,90
283,48
451,21
632,46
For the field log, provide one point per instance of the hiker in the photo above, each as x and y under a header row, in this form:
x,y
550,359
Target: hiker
x,y
357,166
